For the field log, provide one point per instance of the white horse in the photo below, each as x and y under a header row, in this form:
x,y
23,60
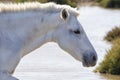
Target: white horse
x,y
25,27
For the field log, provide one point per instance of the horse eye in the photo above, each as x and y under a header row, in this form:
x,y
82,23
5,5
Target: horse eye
x,y
77,32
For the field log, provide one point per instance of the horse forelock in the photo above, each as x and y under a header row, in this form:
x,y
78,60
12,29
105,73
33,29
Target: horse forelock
x,y
35,6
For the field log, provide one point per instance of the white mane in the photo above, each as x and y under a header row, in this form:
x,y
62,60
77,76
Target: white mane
x,y
35,6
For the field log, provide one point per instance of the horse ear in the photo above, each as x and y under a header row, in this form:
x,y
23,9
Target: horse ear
x,y
64,14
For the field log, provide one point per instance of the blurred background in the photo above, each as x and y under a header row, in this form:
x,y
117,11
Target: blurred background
x,y
101,21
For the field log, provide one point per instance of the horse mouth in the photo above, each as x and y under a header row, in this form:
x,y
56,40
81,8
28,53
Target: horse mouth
x,y
87,63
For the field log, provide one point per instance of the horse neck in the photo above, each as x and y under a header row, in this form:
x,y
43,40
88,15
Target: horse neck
x,y
41,22
41,32
37,42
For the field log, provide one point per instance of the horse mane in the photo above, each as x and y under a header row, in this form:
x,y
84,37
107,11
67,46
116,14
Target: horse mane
x,y
35,6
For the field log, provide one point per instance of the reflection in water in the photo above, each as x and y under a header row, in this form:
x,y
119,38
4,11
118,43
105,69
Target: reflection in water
x,y
54,64
110,77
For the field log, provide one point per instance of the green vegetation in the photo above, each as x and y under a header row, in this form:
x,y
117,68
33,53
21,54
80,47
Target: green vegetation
x,y
111,63
29,0
98,0
69,2
113,34
109,3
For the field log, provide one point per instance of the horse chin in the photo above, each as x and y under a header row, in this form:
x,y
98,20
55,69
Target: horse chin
x,y
85,64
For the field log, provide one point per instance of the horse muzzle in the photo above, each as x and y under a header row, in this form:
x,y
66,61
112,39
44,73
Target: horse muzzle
x,y
89,59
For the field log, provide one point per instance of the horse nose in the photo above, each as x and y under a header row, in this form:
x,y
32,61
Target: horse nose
x,y
94,58
89,59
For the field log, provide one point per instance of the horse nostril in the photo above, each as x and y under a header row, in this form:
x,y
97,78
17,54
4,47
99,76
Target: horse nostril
x,y
94,58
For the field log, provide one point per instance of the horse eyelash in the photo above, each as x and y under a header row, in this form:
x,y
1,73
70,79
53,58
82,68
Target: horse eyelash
x,y
77,31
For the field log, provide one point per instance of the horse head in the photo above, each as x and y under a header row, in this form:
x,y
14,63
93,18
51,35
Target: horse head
x,y
71,37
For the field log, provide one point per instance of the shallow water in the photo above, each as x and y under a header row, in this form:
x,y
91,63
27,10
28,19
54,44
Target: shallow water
x,y
51,63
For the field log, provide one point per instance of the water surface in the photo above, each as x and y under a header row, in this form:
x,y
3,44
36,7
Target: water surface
x,y
51,63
